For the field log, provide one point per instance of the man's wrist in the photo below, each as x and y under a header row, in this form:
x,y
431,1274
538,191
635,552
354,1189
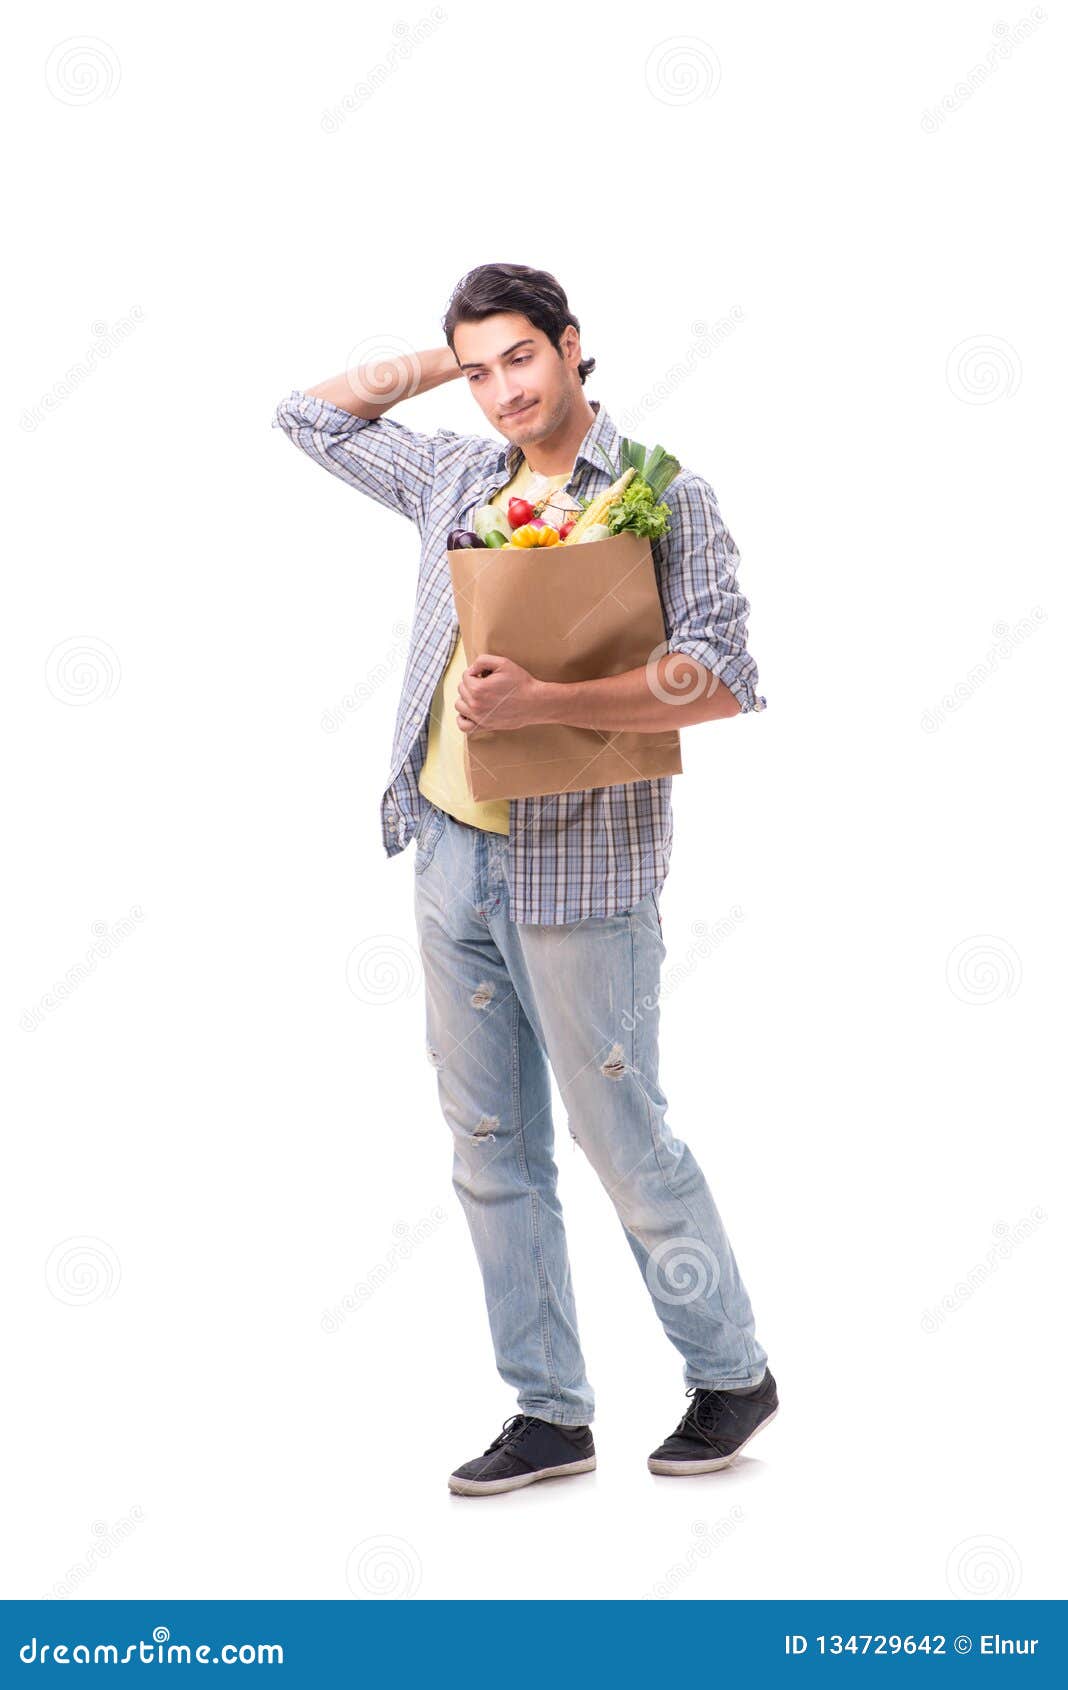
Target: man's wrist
x,y
549,701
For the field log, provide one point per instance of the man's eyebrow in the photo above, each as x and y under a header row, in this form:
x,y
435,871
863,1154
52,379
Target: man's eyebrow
x,y
528,342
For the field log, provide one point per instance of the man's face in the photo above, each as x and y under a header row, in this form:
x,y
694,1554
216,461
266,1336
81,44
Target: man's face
x,y
522,384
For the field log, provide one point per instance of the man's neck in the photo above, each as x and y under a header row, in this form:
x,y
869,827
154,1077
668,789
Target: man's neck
x,y
556,453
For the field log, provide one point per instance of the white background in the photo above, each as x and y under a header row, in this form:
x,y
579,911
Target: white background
x,y
229,1124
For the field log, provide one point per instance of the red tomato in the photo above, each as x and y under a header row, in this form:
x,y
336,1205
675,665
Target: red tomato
x,y
566,527
519,512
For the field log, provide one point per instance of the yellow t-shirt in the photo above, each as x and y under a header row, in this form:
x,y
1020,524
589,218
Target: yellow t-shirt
x,y
443,778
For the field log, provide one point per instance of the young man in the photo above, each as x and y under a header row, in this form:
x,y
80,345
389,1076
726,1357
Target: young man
x,y
538,918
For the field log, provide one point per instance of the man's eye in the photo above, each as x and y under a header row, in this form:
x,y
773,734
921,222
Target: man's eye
x,y
524,360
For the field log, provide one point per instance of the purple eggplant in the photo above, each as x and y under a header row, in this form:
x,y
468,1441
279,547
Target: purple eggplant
x,y
462,540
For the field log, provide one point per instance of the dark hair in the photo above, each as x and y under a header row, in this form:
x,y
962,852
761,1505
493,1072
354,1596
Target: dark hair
x,y
492,288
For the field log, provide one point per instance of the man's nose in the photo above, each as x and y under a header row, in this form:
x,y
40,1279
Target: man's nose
x,y
509,393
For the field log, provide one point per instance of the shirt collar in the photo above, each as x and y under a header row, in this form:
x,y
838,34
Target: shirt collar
x,y
601,432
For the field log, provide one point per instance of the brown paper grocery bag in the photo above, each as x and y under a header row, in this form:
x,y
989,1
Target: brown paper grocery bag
x,y
566,613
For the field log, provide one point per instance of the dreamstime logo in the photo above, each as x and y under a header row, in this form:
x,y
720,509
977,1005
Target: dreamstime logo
x,y
706,342
383,369
106,1539
107,936
681,70
708,941
407,1238
382,968
684,679
1007,641
82,670
681,1270
407,38
82,70
107,337
82,1270
983,369
1008,1239
335,717
161,1651
383,1567
983,1566
708,1538
1006,39
983,968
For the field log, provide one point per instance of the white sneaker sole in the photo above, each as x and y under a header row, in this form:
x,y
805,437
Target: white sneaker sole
x,y
683,1469
490,1487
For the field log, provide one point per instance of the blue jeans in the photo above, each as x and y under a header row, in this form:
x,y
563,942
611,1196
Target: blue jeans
x,y
504,1003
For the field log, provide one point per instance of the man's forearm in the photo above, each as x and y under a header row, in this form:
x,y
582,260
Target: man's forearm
x,y
369,390
676,693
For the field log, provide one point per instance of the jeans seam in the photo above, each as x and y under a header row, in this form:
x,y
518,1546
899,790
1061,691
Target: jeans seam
x,y
655,1138
517,1091
633,1063
539,1263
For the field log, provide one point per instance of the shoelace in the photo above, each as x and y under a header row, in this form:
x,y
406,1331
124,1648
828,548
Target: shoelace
x,y
706,1412
514,1428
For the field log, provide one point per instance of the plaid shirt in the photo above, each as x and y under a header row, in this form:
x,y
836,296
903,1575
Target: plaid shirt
x,y
578,854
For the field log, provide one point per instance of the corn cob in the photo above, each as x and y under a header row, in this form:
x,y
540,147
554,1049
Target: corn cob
x,y
598,507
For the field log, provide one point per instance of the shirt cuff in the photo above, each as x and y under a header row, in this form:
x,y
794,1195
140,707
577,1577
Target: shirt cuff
x,y
320,413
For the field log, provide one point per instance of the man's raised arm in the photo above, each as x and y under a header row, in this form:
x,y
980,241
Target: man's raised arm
x,y
372,389
341,424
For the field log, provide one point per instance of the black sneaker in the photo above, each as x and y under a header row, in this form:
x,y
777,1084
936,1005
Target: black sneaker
x,y
524,1450
715,1428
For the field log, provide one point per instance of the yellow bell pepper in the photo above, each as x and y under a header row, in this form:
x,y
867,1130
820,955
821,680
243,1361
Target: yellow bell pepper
x,y
528,535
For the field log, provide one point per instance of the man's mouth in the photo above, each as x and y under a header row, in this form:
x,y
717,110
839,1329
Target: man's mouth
x,y
521,413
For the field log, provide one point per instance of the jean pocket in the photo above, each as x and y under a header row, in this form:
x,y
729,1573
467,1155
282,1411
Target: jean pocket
x,y
646,912
430,831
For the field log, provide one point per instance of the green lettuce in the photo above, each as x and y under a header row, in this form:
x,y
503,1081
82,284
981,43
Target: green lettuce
x,y
638,512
